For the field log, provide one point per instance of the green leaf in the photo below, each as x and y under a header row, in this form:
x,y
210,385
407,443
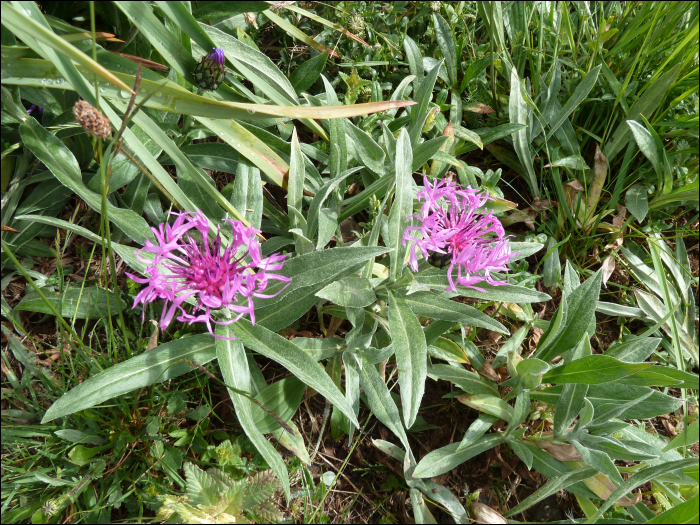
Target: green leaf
x,y
489,135
522,451
577,313
436,278
380,401
88,303
489,404
470,382
612,394
282,397
686,512
425,151
170,97
639,478
646,144
208,10
368,152
315,218
247,193
580,93
598,460
303,77
423,95
446,458
309,273
570,403
428,304
593,370
635,350
530,372
402,205
645,105
575,162
414,59
338,145
295,181
477,429
519,115
294,359
637,201
686,438
235,372
411,356
443,33
356,292
553,486
663,376
445,349
155,366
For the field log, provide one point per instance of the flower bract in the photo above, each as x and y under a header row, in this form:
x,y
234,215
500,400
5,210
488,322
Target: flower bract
x,y
451,230
189,265
209,72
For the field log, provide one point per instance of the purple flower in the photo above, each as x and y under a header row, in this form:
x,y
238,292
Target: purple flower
x,y
185,266
475,243
33,107
216,56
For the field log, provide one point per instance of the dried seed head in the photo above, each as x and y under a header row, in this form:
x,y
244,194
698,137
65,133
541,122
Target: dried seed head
x,y
92,120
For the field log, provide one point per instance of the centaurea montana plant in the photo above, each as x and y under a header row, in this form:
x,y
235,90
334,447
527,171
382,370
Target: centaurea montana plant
x,y
185,266
449,224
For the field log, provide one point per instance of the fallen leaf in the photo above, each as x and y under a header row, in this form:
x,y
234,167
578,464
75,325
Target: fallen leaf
x,y
485,514
488,371
153,340
615,244
560,451
494,337
540,205
479,108
669,427
619,219
608,267
525,216
600,168
576,185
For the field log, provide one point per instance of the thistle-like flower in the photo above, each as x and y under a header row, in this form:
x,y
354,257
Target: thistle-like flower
x,y
217,277
209,72
451,230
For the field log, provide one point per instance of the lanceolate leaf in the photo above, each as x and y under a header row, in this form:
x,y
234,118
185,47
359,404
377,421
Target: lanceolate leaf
x,y
446,458
411,355
293,359
592,370
310,273
380,401
155,366
431,305
402,204
235,372
36,73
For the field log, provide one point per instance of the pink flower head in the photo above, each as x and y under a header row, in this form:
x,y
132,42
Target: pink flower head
x,y
195,267
450,225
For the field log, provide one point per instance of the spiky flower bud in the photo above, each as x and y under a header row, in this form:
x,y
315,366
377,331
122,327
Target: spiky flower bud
x,y
435,6
92,120
209,72
356,25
